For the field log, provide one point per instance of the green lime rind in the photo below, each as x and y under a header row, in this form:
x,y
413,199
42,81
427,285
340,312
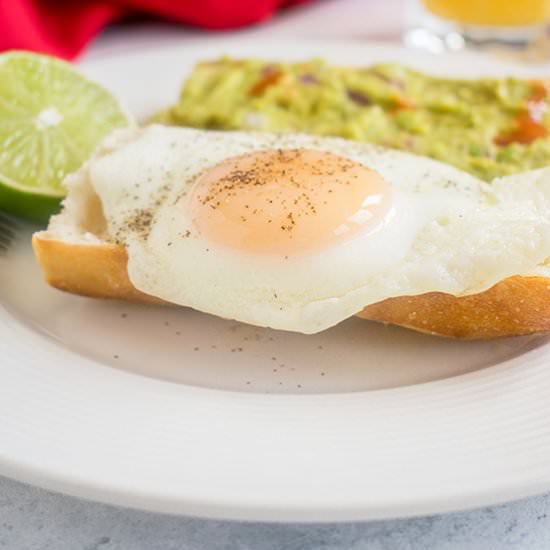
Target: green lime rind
x,y
33,207
51,119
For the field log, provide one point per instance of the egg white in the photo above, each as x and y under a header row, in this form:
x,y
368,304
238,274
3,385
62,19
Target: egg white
x,y
447,231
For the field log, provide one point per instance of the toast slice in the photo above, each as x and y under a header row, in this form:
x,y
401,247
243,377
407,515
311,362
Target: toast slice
x,y
76,256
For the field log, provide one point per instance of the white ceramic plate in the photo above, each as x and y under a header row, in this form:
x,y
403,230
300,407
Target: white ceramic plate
x,y
171,410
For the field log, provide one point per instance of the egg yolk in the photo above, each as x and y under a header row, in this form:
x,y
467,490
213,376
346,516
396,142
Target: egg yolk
x,y
289,201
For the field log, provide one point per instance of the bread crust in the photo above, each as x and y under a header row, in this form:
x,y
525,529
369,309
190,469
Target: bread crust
x,y
94,270
515,306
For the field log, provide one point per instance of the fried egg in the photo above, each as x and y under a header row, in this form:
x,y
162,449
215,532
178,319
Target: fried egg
x,y
298,233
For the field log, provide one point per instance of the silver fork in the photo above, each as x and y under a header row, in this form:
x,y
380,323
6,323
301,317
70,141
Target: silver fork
x,y
8,230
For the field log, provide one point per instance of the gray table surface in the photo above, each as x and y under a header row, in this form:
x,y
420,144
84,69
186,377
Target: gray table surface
x,y
33,519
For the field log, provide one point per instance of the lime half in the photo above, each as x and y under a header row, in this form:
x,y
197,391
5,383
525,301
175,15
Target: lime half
x,y
51,119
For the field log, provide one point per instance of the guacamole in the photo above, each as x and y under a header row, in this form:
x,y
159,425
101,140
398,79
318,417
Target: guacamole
x,y
486,127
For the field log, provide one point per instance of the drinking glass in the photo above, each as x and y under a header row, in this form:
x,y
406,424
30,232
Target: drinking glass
x,y
440,25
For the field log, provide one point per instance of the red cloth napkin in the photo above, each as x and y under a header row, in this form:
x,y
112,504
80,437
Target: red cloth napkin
x,y
64,27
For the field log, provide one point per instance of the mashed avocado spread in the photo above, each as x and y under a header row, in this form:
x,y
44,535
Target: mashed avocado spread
x,y
486,127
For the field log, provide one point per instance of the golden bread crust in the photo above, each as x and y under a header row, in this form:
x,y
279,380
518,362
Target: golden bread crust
x,y
514,306
94,270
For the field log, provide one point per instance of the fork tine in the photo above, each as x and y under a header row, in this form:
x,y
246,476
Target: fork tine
x,y
8,228
7,222
6,232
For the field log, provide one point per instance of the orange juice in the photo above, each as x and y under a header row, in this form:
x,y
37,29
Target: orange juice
x,y
504,13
